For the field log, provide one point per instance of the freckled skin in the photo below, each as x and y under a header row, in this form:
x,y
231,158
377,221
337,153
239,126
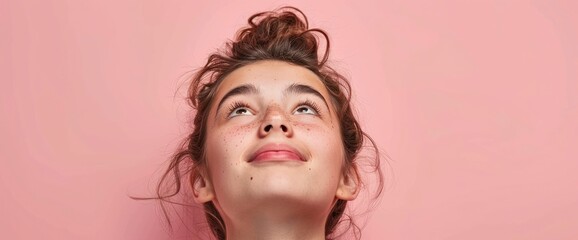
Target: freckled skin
x,y
240,187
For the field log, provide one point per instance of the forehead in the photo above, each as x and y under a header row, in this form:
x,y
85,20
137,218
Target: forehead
x,y
271,76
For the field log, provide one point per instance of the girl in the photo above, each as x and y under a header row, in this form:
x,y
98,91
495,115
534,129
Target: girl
x,y
275,142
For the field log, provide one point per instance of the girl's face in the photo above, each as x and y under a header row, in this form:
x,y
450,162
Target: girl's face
x,y
273,138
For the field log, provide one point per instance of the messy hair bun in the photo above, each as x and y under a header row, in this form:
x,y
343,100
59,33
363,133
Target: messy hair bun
x,y
282,36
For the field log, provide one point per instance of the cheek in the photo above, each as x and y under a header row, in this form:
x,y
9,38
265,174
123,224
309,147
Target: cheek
x,y
322,133
324,142
327,158
226,148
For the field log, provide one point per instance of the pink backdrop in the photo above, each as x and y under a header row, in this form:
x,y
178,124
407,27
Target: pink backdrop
x,y
476,103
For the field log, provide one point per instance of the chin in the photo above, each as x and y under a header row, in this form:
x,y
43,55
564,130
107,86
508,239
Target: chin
x,y
291,204
291,190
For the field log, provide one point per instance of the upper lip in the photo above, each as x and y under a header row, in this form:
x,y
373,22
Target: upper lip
x,y
276,147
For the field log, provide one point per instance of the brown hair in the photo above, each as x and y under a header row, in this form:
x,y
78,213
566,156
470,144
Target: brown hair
x,y
282,35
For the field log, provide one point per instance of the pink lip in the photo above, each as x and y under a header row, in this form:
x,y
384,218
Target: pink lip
x,y
276,152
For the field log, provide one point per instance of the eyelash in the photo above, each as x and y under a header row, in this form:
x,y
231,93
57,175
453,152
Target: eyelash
x,y
309,103
235,105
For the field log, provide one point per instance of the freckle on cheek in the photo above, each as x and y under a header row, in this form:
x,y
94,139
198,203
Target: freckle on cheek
x,y
251,178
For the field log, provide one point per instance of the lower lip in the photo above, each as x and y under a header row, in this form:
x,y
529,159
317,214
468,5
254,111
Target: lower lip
x,y
276,156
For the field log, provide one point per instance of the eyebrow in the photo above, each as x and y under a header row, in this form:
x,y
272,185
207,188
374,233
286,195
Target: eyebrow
x,y
301,88
240,90
292,89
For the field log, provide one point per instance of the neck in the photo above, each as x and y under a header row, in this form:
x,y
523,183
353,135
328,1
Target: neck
x,y
277,224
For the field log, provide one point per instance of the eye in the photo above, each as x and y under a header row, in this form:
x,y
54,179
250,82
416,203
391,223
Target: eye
x,y
307,107
239,109
305,110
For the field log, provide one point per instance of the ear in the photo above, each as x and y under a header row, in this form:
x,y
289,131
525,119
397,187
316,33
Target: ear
x,y
202,189
348,185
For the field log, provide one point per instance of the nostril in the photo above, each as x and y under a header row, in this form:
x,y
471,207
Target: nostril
x,y
267,128
284,128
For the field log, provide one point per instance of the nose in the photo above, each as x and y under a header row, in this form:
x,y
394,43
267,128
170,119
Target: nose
x,y
275,121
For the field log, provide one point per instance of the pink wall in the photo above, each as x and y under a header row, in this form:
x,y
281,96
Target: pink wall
x,y
476,103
